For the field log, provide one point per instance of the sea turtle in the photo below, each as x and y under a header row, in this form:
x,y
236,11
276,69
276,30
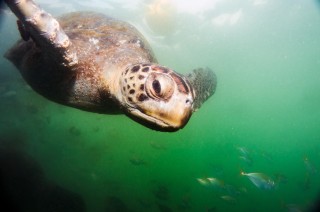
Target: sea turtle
x,y
96,63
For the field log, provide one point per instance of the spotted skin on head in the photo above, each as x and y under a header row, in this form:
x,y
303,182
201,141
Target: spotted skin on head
x,y
158,94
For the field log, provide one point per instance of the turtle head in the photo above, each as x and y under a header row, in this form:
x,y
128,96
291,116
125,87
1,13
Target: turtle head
x,y
156,96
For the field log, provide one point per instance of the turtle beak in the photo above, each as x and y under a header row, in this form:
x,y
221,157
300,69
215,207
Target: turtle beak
x,y
165,121
177,117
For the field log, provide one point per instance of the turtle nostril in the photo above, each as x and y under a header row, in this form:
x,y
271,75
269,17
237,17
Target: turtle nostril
x,y
188,101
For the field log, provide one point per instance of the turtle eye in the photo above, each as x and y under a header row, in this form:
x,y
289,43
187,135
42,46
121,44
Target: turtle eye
x,y
156,86
159,86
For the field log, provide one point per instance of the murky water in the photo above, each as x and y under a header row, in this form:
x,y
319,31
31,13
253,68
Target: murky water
x,y
264,117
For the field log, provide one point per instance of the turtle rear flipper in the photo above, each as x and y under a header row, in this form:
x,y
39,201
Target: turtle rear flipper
x,y
44,30
204,82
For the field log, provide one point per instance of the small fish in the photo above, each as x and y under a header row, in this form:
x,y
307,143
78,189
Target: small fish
x,y
293,208
185,203
243,190
306,184
267,156
244,155
260,180
158,146
231,200
74,131
211,182
217,171
137,161
212,209
231,190
247,160
280,178
9,94
309,166
243,151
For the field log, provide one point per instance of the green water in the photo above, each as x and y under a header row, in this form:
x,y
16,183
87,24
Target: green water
x,y
267,101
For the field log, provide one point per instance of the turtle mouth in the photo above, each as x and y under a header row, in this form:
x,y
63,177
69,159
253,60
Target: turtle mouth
x,y
140,116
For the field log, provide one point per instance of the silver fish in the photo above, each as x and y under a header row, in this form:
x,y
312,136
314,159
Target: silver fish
x,y
211,182
243,151
247,160
260,180
244,155
229,199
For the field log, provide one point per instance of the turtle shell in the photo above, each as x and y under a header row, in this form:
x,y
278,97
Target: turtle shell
x,y
104,47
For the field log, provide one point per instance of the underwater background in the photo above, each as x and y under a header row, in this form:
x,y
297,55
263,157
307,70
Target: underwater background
x,y
264,117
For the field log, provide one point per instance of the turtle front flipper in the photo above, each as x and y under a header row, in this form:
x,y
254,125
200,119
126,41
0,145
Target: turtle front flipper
x,y
44,30
204,83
